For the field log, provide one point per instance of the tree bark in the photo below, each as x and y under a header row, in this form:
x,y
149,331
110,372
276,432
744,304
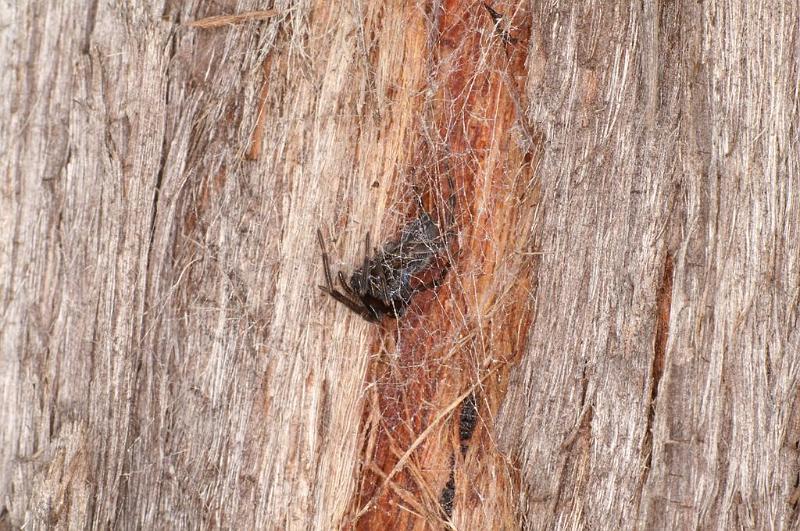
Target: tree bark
x,y
613,343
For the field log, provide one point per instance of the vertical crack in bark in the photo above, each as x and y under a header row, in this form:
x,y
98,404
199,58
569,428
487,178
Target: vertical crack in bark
x,y
134,431
663,308
576,449
91,19
466,335
793,445
162,164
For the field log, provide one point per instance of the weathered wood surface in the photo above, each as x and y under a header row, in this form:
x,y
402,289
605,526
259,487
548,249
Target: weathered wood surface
x,y
166,359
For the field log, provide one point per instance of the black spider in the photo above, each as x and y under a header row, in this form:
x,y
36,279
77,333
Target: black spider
x,y
385,282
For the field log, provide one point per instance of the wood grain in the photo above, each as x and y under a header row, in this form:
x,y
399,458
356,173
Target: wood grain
x,y
622,302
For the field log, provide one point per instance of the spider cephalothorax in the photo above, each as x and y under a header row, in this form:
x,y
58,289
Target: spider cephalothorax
x,y
386,281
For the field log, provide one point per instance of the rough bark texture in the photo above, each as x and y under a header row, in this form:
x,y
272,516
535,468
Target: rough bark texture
x,y
615,341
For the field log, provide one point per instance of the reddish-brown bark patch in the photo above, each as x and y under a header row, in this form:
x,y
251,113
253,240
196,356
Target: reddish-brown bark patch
x,y
460,340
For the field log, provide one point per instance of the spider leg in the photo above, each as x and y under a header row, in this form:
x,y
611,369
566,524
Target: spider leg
x,y
325,264
346,287
382,276
450,217
365,267
366,313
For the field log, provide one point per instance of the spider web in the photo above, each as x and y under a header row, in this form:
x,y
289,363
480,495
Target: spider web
x,y
438,373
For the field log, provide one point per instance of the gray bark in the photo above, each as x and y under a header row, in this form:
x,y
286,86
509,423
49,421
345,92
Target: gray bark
x,y
166,359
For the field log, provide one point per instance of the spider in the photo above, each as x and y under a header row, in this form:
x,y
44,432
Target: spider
x,y
383,284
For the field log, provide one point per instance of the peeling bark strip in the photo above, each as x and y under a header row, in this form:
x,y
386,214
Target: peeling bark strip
x,y
474,325
227,20
258,132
